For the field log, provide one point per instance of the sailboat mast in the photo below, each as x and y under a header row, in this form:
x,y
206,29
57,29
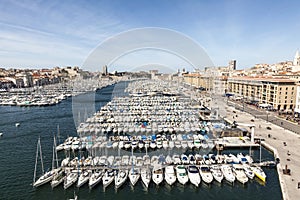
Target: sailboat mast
x,y
36,158
260,150
53,157
58,134
56,157
41,156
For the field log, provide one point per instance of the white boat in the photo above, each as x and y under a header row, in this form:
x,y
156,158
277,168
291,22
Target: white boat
x,y
147,144
192,159
170,175
83,178
102,160
125,160
1,134
193,174
176,159
95,161
165,144
177,144
206,174
75,145
46,177
169,160
154,160
60,147
17,124
146,160
134,144
139,161
117,161
239,173
217,173
153,144
88,161
110,160
120,178
231,159
115,144
121,144
242,159
206,160
184,159
159,144
134,175
95,178
259,173
171,144
58,178
70,179
199,159
190,144
227,172
248,171
184,144
108,178
127,144
146,176
197,143
141,144
157,175
181,174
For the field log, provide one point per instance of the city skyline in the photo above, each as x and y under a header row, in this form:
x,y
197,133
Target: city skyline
x,y
47,34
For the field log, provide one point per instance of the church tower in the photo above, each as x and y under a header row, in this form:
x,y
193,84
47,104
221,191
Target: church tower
x,y
297,59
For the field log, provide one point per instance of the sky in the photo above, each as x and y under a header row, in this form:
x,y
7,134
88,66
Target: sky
x,y
44,34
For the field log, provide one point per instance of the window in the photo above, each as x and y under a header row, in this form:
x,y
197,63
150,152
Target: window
x,y
286,88
280,88
292,88
286,93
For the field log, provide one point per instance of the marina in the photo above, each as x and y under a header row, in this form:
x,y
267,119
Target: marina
x,y
49,95
124,170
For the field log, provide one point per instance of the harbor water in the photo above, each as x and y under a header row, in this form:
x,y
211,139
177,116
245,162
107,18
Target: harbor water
x,y
18,150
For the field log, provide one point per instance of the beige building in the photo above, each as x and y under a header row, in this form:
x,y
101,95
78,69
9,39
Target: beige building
x,y
199,81
278,93
216,83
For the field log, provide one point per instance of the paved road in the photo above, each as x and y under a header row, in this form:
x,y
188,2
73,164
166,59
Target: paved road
x,y
286,142
270,117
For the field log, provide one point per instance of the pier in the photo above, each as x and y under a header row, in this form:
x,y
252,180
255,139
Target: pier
x,y
285,146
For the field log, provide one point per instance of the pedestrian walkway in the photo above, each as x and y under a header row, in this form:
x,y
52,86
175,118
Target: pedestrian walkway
x,y
285,142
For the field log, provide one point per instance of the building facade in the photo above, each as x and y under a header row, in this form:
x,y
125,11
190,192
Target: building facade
x,y
277,93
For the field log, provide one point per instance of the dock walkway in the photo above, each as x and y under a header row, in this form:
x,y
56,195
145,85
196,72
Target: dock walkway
x,y
284,144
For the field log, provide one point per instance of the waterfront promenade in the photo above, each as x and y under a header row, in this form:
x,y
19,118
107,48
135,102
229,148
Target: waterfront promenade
x,y
284,141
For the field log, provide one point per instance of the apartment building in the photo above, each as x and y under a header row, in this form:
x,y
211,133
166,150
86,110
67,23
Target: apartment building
x,y
278,93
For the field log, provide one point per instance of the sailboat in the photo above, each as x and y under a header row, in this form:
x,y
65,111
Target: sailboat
x,y
46,177
120,174
108,177
145,171
59,175
146,176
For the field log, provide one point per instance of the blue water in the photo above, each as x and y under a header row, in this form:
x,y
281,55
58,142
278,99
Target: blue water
x,y
17,158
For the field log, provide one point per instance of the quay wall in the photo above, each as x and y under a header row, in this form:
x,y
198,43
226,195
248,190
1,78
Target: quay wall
x,y
279,170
